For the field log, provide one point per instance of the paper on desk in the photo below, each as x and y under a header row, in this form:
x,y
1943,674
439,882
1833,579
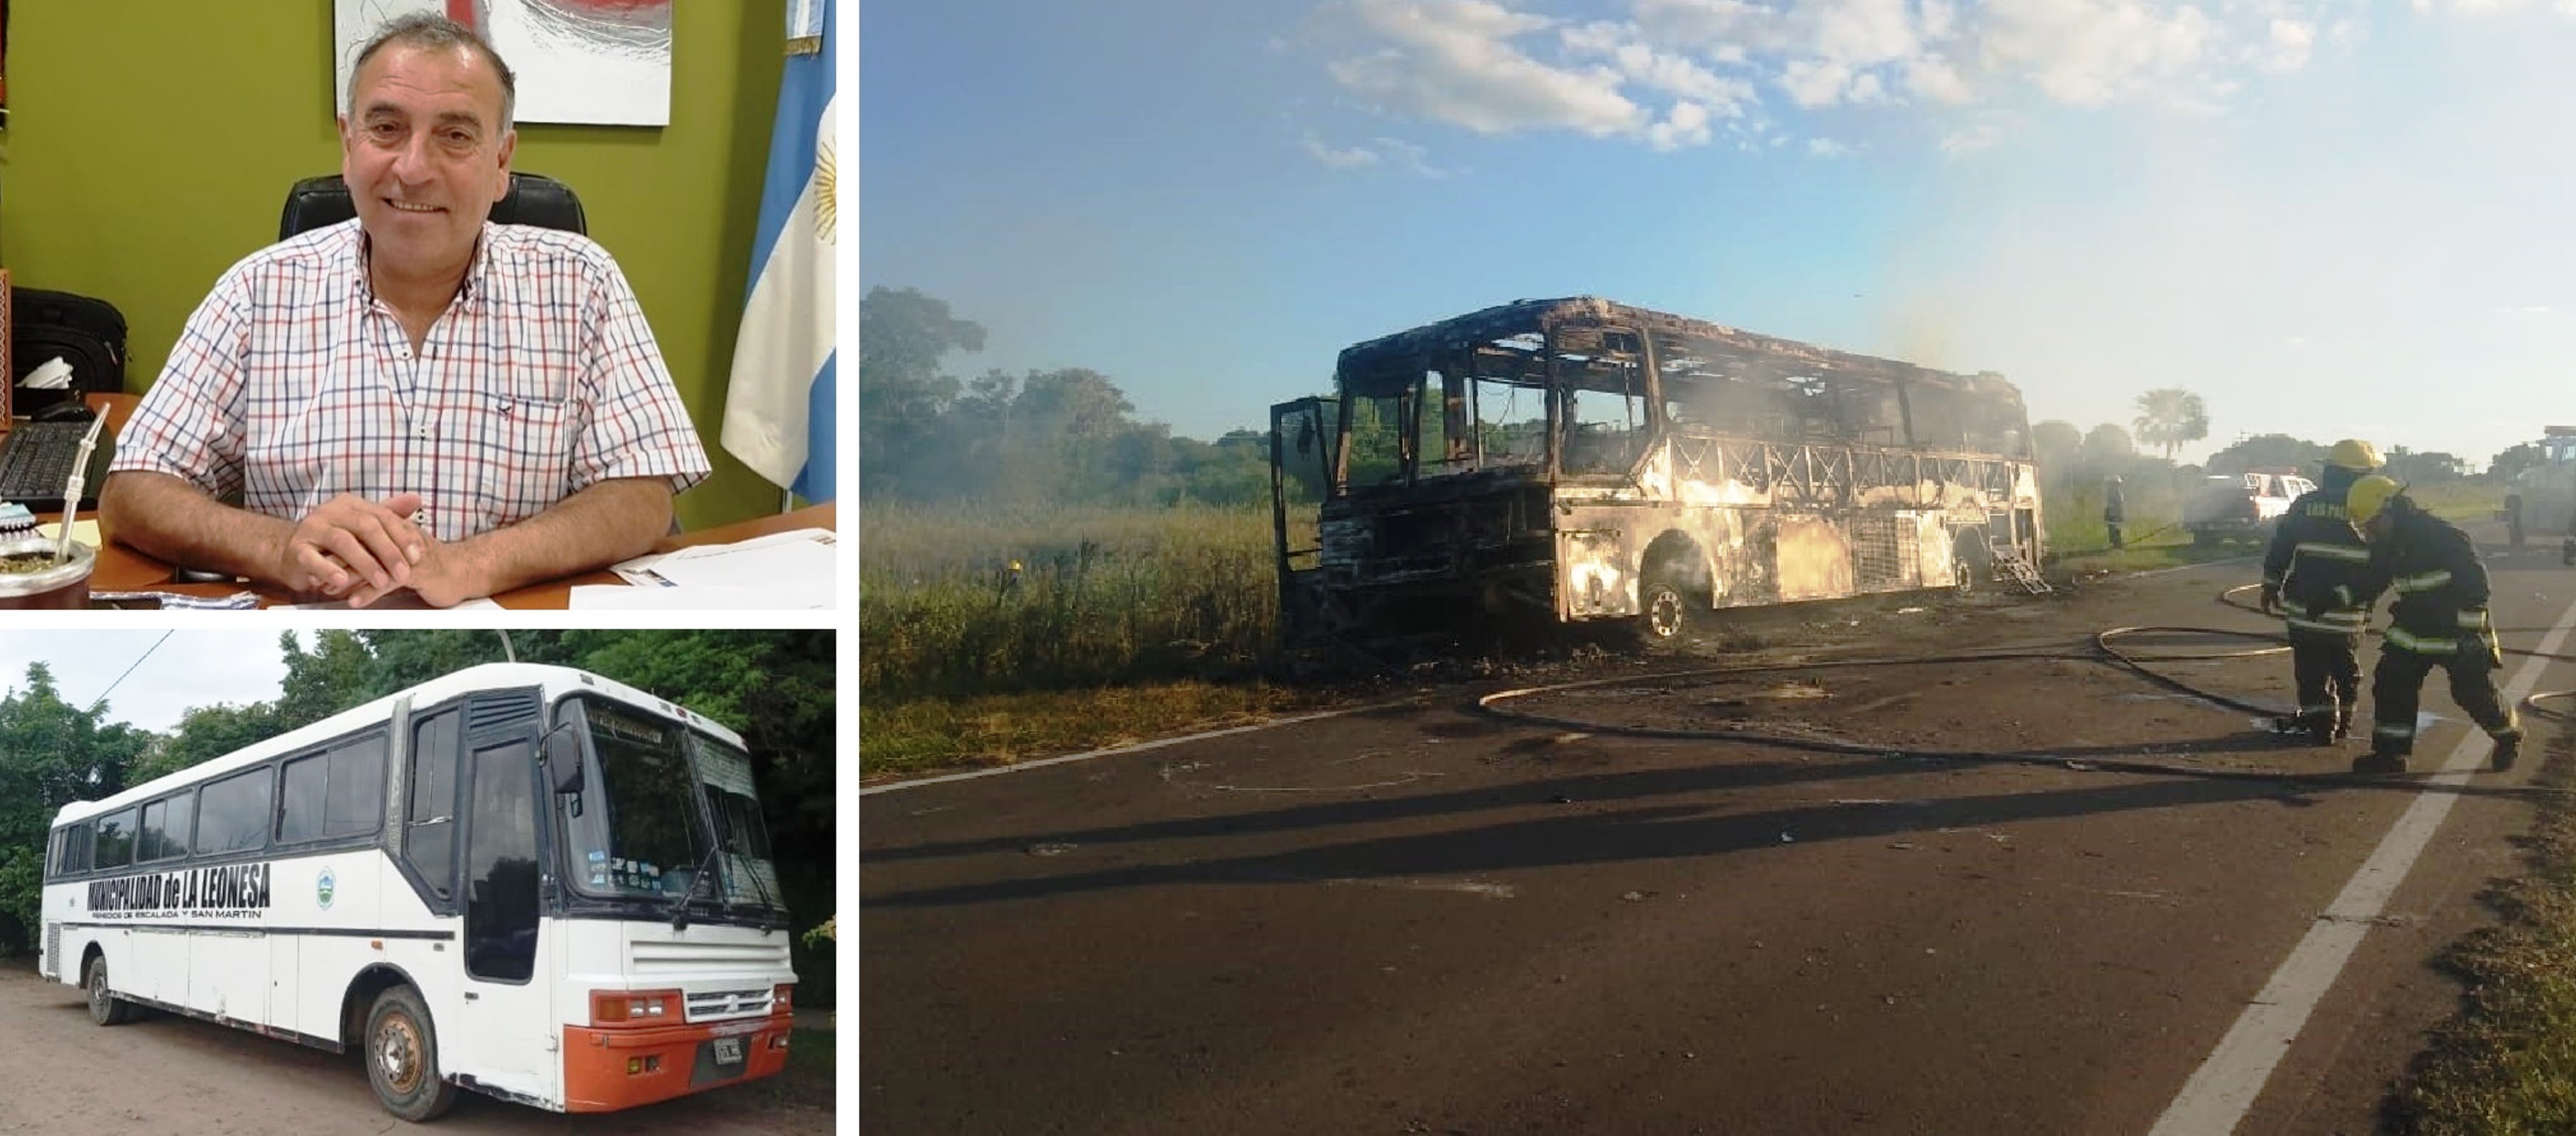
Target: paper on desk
x,y
789,570
85,532
619,597
640,571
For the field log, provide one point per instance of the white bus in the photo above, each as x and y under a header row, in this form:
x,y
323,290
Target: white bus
x,y
528,881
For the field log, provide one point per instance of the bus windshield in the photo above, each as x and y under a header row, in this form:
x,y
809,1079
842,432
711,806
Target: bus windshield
x,y
644,831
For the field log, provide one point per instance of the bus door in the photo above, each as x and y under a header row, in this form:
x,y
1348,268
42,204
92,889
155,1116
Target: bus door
x,y
508,1034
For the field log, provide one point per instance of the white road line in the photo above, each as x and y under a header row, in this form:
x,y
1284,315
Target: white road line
x,y
1114,751
2224,1087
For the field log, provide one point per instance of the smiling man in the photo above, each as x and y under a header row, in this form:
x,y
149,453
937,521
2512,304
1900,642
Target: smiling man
x,y
417,398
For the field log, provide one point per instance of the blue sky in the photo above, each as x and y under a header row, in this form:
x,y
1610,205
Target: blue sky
x,y
2328,218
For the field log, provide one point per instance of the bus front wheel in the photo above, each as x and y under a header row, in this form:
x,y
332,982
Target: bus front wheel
x,y
402,1057
105,1008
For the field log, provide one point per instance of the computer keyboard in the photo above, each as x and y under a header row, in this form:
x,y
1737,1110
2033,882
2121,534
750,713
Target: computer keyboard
x,y
36,461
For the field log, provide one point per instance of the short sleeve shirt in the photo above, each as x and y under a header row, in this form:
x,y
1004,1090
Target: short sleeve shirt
x,y
292,383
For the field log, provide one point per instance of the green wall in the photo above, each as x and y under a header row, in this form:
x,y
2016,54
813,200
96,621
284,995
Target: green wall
x,y
150,143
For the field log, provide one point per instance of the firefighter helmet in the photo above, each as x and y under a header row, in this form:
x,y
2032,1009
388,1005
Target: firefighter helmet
x,y
2368,497
2356,455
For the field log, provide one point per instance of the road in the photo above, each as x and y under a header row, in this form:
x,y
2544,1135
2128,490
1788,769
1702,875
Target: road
x,y
164,1075
1423,919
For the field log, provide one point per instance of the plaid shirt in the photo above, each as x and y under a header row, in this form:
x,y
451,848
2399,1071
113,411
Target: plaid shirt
x,y
292,383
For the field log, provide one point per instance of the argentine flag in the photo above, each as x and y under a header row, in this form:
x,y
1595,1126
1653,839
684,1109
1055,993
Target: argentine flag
x,y
779,407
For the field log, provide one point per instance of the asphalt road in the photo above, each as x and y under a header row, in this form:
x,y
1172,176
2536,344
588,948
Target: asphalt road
x,y
164,1075
1422,919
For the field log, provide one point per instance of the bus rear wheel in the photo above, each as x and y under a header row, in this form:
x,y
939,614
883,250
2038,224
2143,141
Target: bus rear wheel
x,y
105,1008
402,1057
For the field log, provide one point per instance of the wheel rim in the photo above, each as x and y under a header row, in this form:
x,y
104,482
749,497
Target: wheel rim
x,y
398,1053
1663,611
98,991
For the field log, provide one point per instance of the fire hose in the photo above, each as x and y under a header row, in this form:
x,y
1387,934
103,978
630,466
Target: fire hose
x,y
2104,649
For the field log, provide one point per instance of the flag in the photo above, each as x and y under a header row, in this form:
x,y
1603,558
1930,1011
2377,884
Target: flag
x,y
779,405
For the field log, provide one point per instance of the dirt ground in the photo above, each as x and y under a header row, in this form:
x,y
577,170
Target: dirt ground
x,y
170,1076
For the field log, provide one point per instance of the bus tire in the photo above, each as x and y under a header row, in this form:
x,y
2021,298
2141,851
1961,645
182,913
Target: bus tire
x,y
105,1008
1664,609
402,1057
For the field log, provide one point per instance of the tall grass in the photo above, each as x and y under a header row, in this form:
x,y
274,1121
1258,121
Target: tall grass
x,y
967,601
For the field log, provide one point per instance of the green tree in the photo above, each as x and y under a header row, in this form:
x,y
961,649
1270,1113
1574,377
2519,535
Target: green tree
x,y
2170,418
2513,460
2108,447
336,674
51,753
206,732
2266,450
903,394
2057,444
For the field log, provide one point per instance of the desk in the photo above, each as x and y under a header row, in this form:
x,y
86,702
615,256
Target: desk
x,y
122,569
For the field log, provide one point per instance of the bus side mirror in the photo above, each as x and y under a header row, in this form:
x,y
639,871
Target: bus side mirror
x,y
563,759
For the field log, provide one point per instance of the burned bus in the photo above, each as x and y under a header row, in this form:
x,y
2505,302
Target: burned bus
x,y
1582,460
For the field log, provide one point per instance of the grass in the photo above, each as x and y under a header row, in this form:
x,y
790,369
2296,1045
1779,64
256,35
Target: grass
x,y
2507,1065
923,734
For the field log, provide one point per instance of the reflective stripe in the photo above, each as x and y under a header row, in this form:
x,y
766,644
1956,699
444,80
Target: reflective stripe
x,y
2303,623
2407,732
2426,582
2473,619
2344,552
2317,708
2400,637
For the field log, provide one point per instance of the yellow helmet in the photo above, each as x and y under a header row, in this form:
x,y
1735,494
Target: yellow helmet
x,y
2368,496
2356,455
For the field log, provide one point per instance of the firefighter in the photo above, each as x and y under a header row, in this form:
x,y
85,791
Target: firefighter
x,y
2115,511
2440,619
2314,570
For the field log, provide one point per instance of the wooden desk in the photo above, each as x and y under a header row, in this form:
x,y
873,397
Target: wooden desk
x,y
122,569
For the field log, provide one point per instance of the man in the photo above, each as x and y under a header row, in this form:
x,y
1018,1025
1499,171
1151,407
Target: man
x,y
2313,575
2440,619
2115,511
417,398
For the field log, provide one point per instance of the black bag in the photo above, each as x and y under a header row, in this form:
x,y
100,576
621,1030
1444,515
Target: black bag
x,y
87,333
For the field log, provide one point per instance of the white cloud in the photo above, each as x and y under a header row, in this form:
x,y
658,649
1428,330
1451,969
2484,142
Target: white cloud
x,y
1970,139
2291,42
1675,73
1826,148
2092,52
1343,158
1455,61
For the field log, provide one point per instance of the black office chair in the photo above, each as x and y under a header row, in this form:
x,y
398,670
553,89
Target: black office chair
x,y
534,199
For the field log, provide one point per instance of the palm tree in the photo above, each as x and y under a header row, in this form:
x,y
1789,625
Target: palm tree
x,y
2171,417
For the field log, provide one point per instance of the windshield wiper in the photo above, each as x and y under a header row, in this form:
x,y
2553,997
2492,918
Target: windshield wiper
x,y
680,906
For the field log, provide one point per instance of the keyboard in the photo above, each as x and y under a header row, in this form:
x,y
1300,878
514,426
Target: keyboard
x,y
36,461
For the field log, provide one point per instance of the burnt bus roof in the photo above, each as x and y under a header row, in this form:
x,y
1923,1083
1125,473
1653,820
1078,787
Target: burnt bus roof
x,y
1748,354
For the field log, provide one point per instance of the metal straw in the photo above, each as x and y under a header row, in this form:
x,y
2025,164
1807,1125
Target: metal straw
x,y
72,488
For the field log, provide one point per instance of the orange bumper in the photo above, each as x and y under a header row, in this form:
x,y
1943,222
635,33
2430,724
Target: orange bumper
x,y
610,1069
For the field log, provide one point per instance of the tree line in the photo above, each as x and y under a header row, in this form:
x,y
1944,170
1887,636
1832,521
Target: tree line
x,y
775,688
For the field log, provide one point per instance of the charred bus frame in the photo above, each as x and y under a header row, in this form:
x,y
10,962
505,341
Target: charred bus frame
x,y
1589,460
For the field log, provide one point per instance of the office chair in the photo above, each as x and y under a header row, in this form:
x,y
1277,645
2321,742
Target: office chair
x,y
534,199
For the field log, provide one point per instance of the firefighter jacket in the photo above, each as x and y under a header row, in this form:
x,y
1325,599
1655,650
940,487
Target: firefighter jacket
x,y
2319,563
2441,608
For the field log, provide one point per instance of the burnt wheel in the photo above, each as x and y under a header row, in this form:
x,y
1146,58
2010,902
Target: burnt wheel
x,y
402,1057
1663,609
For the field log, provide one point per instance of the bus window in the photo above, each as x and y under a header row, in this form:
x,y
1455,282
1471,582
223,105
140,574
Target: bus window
x,y
232,814
355,801
501,866
299,799
165,828
430,817
115,839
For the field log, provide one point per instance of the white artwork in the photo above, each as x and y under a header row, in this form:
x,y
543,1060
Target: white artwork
x,y
605,62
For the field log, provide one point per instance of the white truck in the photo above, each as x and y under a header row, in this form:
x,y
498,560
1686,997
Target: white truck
x,y
2241,504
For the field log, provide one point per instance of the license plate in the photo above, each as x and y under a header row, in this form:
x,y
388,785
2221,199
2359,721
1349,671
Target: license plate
x,y
728,1051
